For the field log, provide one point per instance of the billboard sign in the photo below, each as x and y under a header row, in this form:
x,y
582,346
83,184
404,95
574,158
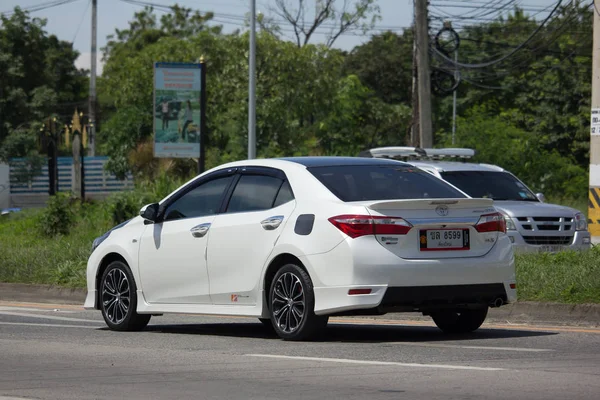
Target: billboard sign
x,y
177,103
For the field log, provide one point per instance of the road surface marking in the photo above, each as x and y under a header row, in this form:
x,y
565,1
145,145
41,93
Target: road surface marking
x,y
382,363
354,321
37,309
16,314
512,327
49,325
457,346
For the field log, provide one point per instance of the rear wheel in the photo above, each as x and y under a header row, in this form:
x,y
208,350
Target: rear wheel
x,y
292,304
118,300
459,321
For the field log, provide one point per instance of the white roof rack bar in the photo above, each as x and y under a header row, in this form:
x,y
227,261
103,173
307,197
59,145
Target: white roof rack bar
x,y
417,152
450,152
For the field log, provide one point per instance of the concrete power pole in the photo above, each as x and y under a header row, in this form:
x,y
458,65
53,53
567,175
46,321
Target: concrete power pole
x,y
92,99
423,75
594,194
252,84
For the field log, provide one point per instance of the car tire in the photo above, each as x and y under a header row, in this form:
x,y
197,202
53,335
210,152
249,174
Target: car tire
x,y
118,299
292,304
460,321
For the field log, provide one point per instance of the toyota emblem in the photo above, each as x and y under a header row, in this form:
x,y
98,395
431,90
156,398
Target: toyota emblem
x,y
442,210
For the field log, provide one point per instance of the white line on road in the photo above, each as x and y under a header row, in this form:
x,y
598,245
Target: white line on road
x,y
48,325
16,314
458,346
37,309
383,363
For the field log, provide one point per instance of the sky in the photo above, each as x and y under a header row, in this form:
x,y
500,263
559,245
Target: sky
x,y
71,22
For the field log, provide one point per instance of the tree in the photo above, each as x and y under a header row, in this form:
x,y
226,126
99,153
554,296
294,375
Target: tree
x,y
353,15
38,78
384,65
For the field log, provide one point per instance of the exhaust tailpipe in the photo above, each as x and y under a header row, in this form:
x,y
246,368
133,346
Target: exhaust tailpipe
x,y
498,302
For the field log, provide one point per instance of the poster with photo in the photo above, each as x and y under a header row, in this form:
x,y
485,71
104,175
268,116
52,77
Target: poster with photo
x,y
177,91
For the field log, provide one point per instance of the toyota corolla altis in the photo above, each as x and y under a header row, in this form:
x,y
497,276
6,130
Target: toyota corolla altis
x,y
293,241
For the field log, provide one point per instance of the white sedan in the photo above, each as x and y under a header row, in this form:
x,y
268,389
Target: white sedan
x,y
293,241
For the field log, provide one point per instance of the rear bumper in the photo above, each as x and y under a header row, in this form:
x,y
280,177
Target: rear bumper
x,y
581,241
411,284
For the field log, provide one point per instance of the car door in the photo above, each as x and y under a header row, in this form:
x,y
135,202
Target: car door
x,y
243,237
172,253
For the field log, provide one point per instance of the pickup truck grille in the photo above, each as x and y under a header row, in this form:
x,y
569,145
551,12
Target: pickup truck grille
x,y
560,224
548,240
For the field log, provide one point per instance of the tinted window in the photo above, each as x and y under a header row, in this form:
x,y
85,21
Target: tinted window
x,y
490,184
200,201
254,193
285,194
356,183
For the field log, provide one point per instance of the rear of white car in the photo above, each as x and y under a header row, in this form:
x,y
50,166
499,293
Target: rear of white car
x,y
429,249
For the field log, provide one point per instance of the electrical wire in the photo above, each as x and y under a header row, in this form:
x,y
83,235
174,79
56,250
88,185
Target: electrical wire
x,y
81,21
39,7
509,54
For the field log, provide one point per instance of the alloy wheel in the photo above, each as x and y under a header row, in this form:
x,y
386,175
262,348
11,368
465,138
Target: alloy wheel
x,y
288,302
116,296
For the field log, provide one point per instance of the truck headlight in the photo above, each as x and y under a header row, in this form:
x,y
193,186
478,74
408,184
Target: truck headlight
x,y
580,222
510,224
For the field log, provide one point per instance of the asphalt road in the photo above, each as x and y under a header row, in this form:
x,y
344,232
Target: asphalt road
x,y
61,352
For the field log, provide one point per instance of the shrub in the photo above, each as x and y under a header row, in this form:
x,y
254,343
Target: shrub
x,y
58,217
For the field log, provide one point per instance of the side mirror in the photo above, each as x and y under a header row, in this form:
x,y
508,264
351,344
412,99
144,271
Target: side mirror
x,y
149,212
541,197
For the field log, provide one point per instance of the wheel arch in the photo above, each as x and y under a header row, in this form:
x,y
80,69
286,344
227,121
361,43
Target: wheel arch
x,y
276,263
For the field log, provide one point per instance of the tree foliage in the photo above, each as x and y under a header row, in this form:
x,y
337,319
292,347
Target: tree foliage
x,y
38,78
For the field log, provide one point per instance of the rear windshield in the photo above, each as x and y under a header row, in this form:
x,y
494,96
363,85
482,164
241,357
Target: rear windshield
x,y
373,182
490,184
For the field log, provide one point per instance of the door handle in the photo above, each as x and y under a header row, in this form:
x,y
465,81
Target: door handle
x,y
200,230
272,223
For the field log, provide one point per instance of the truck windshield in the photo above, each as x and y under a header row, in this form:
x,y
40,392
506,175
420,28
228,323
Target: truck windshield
x,y
490,184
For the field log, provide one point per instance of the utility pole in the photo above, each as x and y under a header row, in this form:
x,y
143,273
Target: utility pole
x,y
252,84
594,193
454,97
414,131
423,75
92,99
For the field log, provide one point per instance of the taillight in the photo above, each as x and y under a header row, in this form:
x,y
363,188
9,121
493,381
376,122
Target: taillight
x,y
361,225
491,223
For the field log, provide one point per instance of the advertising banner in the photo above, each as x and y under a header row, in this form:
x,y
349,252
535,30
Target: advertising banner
x,y
177,102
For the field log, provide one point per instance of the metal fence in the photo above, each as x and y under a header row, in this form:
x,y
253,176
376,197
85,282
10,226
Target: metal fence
x,y
97,179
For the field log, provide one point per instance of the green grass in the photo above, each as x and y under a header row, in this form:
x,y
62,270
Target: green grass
x,y
567,277
29,256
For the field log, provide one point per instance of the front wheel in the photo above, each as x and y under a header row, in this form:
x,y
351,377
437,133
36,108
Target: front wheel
x,y
459,321
118,300
292,304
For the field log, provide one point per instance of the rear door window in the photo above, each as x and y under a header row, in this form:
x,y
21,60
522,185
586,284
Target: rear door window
x,y
373,182
254,193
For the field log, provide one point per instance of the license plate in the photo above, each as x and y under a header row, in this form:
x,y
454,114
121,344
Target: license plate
x,y
443,239
550,248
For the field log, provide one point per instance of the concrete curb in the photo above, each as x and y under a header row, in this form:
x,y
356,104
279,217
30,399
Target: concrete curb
x,y
587,315
20,292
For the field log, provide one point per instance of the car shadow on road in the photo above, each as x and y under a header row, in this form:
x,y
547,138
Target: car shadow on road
x,y
350,333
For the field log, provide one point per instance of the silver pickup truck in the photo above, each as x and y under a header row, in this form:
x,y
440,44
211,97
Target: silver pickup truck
x,y
532,224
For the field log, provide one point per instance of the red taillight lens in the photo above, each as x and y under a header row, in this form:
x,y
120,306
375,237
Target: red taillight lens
x,y
361,225
491,223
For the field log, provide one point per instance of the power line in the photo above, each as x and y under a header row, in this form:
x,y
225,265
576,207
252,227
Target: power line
x,y
509,54
81,21
39,7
